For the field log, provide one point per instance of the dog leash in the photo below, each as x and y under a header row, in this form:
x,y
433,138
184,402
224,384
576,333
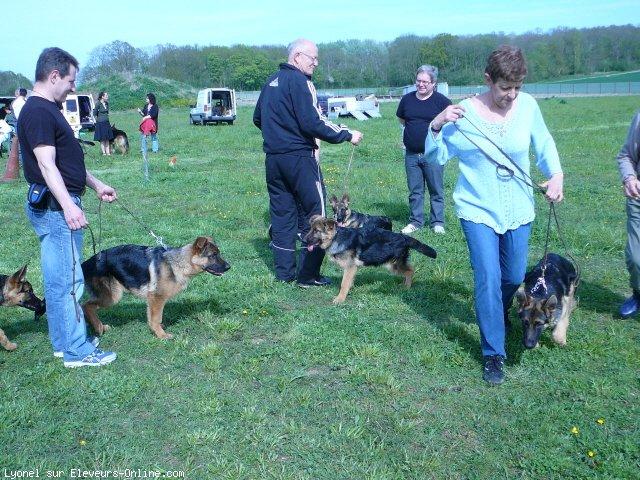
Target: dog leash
x,y
527,180
346,175
157,238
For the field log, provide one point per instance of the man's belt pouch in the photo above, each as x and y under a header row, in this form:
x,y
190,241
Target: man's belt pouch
x,y
37,195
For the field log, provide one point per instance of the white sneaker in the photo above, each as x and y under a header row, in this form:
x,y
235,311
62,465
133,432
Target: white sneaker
x,y
95,341
96,359
438,229
410,228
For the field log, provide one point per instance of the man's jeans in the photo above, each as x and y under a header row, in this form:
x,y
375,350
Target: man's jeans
x,y
419,172
67,328
155,145
499,263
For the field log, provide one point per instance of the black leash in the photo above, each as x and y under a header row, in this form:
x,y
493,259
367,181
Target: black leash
x,y
527,180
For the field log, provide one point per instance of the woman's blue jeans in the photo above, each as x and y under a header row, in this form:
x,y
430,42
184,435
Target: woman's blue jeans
x,y
67,328
499,263
155,145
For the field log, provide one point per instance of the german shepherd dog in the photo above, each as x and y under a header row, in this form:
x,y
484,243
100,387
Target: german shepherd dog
x,y
351,248
547,301
151,273
15,290
351,219
120,141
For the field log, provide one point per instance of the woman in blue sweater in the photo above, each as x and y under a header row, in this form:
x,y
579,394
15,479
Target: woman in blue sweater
x,y
494,203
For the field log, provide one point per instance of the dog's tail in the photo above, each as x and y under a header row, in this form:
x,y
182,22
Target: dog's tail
x,y
421,247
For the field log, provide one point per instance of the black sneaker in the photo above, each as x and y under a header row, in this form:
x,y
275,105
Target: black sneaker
x,y
316,282
493,372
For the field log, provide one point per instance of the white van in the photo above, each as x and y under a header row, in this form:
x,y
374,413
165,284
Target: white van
x,y
214,105
78,110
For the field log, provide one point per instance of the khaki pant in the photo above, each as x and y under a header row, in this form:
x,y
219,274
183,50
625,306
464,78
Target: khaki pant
x,y
632,252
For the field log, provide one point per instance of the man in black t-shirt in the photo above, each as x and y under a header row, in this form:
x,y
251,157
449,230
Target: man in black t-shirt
x,y
415,112
54,163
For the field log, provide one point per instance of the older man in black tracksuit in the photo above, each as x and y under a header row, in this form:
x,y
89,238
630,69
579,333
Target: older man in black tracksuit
x,y
291,123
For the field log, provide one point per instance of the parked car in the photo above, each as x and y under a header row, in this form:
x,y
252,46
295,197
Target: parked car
x,y
214,105
78,110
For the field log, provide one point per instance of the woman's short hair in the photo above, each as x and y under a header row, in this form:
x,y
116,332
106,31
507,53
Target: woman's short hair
x,y
429,69
152,98
506,63
100,95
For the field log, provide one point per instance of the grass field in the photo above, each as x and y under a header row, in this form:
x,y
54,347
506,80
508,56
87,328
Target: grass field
x,y
266,380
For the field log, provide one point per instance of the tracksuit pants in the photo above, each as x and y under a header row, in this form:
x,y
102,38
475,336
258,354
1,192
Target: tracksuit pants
x,y
296,190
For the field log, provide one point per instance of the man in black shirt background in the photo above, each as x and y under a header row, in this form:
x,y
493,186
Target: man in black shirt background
x,y
415,112
54,163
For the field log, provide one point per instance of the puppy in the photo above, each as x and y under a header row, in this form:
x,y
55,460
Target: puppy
x,y
351,219
15,290
351,248
154,274
547,301
120,141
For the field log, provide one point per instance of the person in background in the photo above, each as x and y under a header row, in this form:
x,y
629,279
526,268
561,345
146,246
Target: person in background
x,y
493,198
149,124
103,132
55,170
290,121
628,164
415,112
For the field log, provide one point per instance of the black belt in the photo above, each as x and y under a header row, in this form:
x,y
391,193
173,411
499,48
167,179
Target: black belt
x,y
50,203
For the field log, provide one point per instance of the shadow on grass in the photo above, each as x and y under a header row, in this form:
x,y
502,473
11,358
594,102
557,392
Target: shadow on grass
x,y
398,212
597,299
130,310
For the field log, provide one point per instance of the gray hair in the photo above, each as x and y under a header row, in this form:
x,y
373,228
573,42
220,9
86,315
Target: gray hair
x,y
431,70
297,46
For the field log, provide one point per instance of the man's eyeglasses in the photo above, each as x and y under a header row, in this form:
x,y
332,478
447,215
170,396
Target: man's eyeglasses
x,y
313,59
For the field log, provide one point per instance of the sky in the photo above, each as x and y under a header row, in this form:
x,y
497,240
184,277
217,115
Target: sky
x,y
79,26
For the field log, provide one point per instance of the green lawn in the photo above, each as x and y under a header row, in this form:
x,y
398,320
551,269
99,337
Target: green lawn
x,y
266,380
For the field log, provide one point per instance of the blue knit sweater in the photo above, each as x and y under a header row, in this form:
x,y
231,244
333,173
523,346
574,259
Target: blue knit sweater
x,y
483,194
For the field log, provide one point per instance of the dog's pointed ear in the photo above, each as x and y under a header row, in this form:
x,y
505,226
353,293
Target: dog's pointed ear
x,y
550,304
521,297
18,277
345,197
199,244
333,201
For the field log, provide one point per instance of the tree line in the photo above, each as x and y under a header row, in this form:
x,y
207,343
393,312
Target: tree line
x,y
367,63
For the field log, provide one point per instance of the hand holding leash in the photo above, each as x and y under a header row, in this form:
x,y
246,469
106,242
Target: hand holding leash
x,y
356,137
553,188
450,114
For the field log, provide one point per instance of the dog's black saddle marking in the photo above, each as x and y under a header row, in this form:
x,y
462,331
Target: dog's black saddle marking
x,y
559,275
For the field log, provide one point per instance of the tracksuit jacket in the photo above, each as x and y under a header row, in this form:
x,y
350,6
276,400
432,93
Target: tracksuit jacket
x,y
287,114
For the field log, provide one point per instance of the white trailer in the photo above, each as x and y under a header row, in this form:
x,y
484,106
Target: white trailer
x,y
363,109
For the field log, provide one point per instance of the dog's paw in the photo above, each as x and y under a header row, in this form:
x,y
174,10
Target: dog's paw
x,y
560,341
338,300
164,336
10,346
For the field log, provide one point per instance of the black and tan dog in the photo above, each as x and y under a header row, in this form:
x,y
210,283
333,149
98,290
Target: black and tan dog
x,y
351,248
351,219
151,273
15,290
547,300
120,141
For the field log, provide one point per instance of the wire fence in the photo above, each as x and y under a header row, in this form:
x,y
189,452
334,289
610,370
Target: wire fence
x,y
537,89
